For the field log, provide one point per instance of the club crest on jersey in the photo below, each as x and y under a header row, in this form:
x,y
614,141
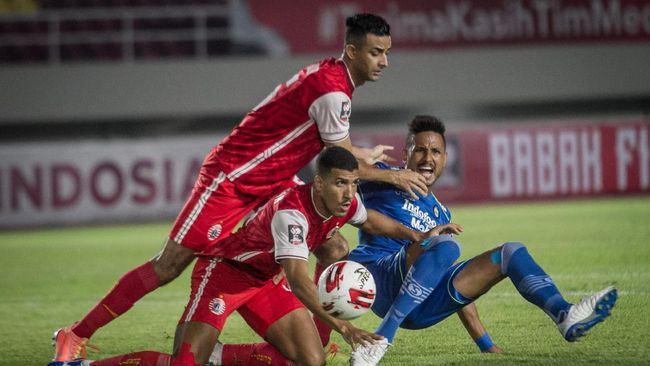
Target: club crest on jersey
x,y
346,110
214,231
436,212
296,234
218,306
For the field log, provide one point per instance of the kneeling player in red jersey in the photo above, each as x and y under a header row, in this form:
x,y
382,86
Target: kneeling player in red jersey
x,y
261,271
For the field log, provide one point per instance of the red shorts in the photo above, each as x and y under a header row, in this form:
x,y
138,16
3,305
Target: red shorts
x,y
218,289
214,208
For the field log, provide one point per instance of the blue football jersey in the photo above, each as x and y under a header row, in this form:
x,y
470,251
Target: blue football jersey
x,y
419,215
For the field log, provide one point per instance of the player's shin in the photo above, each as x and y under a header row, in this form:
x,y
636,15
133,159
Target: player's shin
x,y
134,285
531,281
421,279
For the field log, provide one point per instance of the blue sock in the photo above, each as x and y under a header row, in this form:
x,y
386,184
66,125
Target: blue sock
x,y
532,282
421,279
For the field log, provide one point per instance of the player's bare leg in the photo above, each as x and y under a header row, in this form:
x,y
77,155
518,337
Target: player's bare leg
x,y
479,275
200,336
171,261
295,336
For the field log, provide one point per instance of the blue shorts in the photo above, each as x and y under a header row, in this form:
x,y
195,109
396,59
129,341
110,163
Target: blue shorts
x,y
389,273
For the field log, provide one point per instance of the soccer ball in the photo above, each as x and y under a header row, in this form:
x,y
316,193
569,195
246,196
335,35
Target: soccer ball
x,y
346,290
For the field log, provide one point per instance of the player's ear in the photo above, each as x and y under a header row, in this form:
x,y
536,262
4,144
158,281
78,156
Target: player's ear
x,y
350,51
318,183
405,156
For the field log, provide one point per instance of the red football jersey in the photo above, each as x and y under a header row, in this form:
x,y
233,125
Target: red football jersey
x,y
288,226
287,129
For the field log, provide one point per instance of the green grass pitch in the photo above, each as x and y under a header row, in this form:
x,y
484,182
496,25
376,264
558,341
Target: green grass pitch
x,y
49,278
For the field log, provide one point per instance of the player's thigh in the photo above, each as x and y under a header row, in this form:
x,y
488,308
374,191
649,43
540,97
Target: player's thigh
x,y
278,316
389,273
217,290
480,274
296,337
211,212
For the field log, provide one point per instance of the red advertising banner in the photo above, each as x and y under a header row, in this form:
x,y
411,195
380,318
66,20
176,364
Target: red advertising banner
x,y
543,162
318,25
123,180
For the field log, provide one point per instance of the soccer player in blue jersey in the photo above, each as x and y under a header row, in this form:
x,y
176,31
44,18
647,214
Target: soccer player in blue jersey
x,y
419,284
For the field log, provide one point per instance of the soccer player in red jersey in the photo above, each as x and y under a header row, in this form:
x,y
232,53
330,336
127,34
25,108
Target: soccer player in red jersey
x,y
261,271
255,162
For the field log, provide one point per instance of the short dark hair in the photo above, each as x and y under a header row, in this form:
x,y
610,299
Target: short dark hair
x,y
336,157
358,25
422,123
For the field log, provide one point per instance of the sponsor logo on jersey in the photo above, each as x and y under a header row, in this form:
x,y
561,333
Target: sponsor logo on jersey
x,y
346,110
214,232
218,306
296,235
420,219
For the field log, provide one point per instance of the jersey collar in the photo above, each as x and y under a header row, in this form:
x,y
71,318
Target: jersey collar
x,y
313,204
348,72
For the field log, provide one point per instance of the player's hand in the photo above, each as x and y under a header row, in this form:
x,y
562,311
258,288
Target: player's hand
x,y
411,182
353,335
374,155
450,228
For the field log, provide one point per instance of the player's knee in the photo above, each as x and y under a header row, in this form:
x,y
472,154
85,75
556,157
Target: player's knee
x,y
167,271
445,250
172,261
506,252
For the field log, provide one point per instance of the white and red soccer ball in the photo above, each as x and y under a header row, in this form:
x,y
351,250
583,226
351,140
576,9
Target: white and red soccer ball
x,y
346,290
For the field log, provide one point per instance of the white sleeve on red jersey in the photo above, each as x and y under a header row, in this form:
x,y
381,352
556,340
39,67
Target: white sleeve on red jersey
x,y
360,215
331,112
289,229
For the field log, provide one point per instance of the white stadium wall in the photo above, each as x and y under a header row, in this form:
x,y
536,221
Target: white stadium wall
x,y
421,80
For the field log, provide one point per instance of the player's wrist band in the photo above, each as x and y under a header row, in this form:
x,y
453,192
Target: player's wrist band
x,y
484,342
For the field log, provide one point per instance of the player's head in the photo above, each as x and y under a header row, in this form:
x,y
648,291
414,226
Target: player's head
x,y
367,43
425,150
336,181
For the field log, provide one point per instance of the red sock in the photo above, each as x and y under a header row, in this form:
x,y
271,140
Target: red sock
x,y
263,354
185,357
324,330
128,289
146,358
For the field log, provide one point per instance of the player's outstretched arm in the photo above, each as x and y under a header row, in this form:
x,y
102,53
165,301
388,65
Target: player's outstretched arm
x,y
381,225
296,271
469,317
404,179
372,155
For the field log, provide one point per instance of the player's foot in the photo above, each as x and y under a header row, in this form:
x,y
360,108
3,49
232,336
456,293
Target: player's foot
x,y
590,311
68,346
369,355
70,363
